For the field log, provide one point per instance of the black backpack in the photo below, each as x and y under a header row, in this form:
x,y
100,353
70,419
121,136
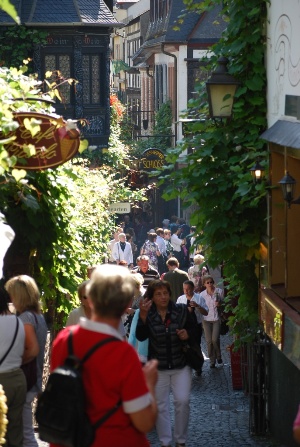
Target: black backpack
x,y
60,412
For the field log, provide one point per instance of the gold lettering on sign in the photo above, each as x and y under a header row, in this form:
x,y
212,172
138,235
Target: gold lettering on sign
x,y
152,163
47,135
19,152
52,144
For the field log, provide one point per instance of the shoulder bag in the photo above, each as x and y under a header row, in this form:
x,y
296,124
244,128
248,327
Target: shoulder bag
x,y
192,352
30,369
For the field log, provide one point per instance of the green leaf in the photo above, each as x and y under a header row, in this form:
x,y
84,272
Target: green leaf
x,y
6,6
18,174
33,125
84,144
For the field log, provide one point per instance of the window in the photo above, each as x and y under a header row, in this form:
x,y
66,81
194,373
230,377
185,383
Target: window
x,y
91,67
60,66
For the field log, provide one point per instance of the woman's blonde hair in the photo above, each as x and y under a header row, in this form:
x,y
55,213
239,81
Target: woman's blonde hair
x,y
138,279
24,293
110,289
198,259
206,278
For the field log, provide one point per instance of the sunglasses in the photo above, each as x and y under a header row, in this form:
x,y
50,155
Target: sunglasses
x,y
209,282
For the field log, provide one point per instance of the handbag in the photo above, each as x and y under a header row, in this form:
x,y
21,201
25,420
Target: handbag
x,y
193,355
30,371
224,328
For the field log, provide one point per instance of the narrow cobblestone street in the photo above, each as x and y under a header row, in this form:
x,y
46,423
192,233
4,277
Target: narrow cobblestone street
x,y
219,415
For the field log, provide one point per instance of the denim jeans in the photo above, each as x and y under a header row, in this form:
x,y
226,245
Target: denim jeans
x,y
28,431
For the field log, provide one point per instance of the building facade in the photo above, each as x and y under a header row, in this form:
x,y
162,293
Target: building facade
x,y
280,288
77,47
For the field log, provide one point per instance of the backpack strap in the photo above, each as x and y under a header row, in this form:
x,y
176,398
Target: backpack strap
x,y
107,415
91,350
85,357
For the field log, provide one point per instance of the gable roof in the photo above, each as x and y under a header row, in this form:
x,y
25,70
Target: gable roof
x,y
58,13
197,29
210,27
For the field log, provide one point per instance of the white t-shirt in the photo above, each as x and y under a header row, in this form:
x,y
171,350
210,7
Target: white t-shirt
x,y
199,300
75,315
7,331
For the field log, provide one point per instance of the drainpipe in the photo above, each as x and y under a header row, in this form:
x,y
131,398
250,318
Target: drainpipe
x,y
148,72
175,84
175,108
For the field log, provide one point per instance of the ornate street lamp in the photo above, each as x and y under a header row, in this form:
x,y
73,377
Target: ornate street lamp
x,y
221,88
288,185
257,172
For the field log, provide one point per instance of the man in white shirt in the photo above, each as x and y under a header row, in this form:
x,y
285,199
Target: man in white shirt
x,y
162,259
197,304
112,243
177,243
122,251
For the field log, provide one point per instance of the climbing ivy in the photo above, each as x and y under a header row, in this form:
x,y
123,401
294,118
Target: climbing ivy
x,y
60,216
17,45
231,209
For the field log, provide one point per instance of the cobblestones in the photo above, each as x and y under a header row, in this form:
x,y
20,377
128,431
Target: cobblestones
x,y
219,415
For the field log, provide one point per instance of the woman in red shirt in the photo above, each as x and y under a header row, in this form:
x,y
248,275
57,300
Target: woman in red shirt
x,y
112,373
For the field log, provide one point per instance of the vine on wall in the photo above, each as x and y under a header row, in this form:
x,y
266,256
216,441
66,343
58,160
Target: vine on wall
x,y
231,209
60,216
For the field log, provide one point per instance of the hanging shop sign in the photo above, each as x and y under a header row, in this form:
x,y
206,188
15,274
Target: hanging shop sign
x,y
151,160
119,208
42,141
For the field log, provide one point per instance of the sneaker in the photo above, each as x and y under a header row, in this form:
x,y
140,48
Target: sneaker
x,y
220,362
212,365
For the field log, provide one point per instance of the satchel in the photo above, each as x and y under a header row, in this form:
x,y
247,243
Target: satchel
x,y
193,356
30,368
224,328
30,372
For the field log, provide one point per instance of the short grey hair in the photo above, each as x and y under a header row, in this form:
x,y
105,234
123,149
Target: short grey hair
x,y
110,289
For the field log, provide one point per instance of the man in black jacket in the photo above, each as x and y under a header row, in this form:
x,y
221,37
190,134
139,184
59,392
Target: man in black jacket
x,y
148,272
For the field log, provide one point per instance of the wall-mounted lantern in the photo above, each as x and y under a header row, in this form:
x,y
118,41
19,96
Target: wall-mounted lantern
x,y
257,171
221,88
288,186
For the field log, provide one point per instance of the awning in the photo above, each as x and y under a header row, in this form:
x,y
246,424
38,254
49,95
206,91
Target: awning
x,y
285,133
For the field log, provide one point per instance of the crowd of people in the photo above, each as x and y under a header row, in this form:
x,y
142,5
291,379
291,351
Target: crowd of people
x,y
132,239
151,295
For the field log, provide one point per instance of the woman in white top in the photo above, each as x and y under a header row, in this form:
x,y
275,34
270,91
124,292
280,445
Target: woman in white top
x,y
25,296
211,322
12,344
